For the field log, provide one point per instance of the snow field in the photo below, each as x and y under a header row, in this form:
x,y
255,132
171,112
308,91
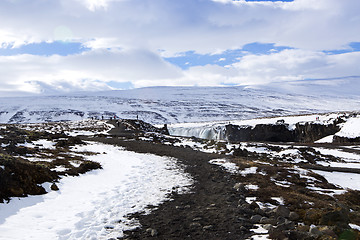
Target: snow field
x,y
94,205
350,129
344,180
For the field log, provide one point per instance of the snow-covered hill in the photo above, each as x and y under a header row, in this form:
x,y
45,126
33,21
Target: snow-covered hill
x,y
159,105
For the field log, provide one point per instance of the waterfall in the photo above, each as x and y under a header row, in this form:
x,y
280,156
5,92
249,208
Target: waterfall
x,y
210,132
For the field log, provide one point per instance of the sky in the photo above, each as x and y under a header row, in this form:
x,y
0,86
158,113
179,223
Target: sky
x,y
60,46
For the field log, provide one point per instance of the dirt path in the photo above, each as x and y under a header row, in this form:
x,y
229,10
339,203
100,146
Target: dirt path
x,y
210,211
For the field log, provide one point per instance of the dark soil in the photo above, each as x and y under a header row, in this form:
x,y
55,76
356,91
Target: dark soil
x,y
215,209
209,211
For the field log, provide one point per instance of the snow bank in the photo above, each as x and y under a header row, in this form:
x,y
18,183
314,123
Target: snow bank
x,y
226,164
94,205
327,139
344,180
350,129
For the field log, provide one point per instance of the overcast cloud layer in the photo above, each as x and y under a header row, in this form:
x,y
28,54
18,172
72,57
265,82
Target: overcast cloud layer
x,y
128,41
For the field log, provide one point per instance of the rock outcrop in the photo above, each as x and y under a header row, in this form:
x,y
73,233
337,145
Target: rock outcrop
x,y
19,177
340,139
280,132
131,126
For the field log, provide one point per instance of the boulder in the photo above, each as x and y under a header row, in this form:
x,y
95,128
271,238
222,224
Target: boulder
x,y
339,217
54,187
315,231
312,216
255,218
293,216
282,211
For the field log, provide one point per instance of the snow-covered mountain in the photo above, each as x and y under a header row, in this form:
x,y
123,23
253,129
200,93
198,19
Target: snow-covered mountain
x,y
159,105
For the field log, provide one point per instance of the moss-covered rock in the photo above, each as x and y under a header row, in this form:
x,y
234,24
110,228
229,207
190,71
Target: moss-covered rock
x,y
19,177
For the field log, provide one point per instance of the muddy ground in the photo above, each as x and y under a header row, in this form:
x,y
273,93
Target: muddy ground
x,y
209,211
216,206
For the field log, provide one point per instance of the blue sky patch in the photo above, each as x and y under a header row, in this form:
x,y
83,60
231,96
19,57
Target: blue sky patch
x,y
269,0
120,85
45,49
191,59
353,47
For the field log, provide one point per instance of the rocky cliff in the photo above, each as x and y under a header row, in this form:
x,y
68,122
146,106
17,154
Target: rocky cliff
x,y
280,132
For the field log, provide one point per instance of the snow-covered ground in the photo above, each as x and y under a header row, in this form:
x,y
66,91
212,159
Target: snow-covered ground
x,y
72,128
159,105
94,205
350,129
343,180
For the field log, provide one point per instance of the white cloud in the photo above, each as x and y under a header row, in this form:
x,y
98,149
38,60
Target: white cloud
x,y
128,39
176,26
87,71
287,65
94,69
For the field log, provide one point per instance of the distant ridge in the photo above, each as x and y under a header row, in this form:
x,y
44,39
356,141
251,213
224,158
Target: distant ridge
x,y
159,105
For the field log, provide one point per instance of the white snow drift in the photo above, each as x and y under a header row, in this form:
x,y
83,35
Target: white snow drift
x,y
94,205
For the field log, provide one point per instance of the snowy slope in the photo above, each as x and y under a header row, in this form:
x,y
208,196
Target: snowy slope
x,y
161,105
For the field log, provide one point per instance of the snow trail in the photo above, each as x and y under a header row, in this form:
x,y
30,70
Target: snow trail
x,y
94,205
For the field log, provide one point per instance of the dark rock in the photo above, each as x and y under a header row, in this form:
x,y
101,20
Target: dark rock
x,y
293,216
304,132
54,187
16,191
244,205
152,232
300,235
329,231
87,166
280,220
209,227
276,233
254,205
282,211
259,211
312,216
240,187
315,231
71,141
303,228
339,217
265,220
286,225
338,139
268,227
21,177
290,225
255,219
